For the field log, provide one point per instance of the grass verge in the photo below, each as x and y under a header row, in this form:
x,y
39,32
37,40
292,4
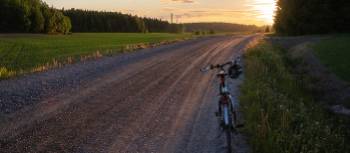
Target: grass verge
x,y
280,116
335,54
23,53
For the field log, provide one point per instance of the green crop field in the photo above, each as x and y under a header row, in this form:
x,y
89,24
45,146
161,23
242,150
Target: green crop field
x,y
335,54
23,53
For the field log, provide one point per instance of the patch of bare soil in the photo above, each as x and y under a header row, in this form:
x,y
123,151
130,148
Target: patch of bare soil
x,y
324,84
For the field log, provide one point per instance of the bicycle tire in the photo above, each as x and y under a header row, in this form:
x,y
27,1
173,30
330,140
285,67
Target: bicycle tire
x,y
227,117
233,113
229,140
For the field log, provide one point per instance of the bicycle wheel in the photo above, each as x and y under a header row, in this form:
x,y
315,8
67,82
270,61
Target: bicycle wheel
x,y
228,126
233,112
229,141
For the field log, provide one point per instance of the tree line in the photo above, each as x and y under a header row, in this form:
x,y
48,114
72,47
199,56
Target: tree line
x,y
219,27
32,16
102,21
300,17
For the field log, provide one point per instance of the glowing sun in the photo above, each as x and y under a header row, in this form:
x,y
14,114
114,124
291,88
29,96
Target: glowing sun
x,y
265,10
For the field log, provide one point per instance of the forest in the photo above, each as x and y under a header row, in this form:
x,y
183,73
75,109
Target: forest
x,y
301,17
31,16
101,21
35,16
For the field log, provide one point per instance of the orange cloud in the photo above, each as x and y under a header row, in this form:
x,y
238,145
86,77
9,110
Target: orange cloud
x,y
182,1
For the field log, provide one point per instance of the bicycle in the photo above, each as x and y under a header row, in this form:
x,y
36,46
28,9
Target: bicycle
x,y
227,111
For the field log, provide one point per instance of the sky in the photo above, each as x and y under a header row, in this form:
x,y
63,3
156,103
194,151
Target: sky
x,y
258,12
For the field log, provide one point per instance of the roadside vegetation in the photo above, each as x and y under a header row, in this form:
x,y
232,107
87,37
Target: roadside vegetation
x,y
280,115
23,53
334,54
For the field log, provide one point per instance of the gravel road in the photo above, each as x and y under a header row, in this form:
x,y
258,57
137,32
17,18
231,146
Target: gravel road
x,y
153,100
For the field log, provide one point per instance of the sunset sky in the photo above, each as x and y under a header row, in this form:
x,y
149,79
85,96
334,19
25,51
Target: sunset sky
x,y
259,12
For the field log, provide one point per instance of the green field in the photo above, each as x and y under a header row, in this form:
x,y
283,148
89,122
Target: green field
x,y
335,54
22,53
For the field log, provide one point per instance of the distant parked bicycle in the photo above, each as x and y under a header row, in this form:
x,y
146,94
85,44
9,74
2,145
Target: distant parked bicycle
x,y
227,110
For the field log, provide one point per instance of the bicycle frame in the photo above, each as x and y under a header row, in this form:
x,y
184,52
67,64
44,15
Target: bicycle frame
x,y
225,101
226,108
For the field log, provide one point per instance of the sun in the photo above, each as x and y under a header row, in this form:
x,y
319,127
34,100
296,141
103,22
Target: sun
x,y
265,10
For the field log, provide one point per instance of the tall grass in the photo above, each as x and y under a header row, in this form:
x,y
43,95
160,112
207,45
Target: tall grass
x,y
280,116
5,73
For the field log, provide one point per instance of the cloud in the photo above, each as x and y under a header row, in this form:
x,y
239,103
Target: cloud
x,y
181,1
248,14
168,9
127,10
184,1
202,13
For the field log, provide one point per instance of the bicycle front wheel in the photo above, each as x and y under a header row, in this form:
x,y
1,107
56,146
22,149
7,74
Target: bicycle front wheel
x,y
228,126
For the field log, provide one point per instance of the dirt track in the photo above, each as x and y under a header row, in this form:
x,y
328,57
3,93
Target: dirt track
x,y
154,100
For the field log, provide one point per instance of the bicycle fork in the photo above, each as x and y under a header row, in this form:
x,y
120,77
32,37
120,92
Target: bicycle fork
x,y
233,105
226,117
225,110
228,113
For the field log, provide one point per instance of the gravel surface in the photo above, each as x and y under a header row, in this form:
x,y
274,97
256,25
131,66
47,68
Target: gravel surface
x,y
153,100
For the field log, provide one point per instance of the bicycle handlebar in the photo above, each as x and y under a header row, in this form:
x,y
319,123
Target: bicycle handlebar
x,y
217,66
234,70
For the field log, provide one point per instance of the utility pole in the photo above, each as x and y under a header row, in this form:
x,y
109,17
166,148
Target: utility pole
x,y
171,18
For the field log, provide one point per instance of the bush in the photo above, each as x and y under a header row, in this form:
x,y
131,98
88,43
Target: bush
x,y
211,31
197,32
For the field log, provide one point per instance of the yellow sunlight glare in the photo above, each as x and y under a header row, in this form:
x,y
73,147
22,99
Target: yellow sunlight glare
x,y
266,10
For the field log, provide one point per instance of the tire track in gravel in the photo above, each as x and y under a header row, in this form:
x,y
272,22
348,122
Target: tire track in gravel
x,y
149,105
136,77
16,94
197,96
202,134
100,82
151,140
148,72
